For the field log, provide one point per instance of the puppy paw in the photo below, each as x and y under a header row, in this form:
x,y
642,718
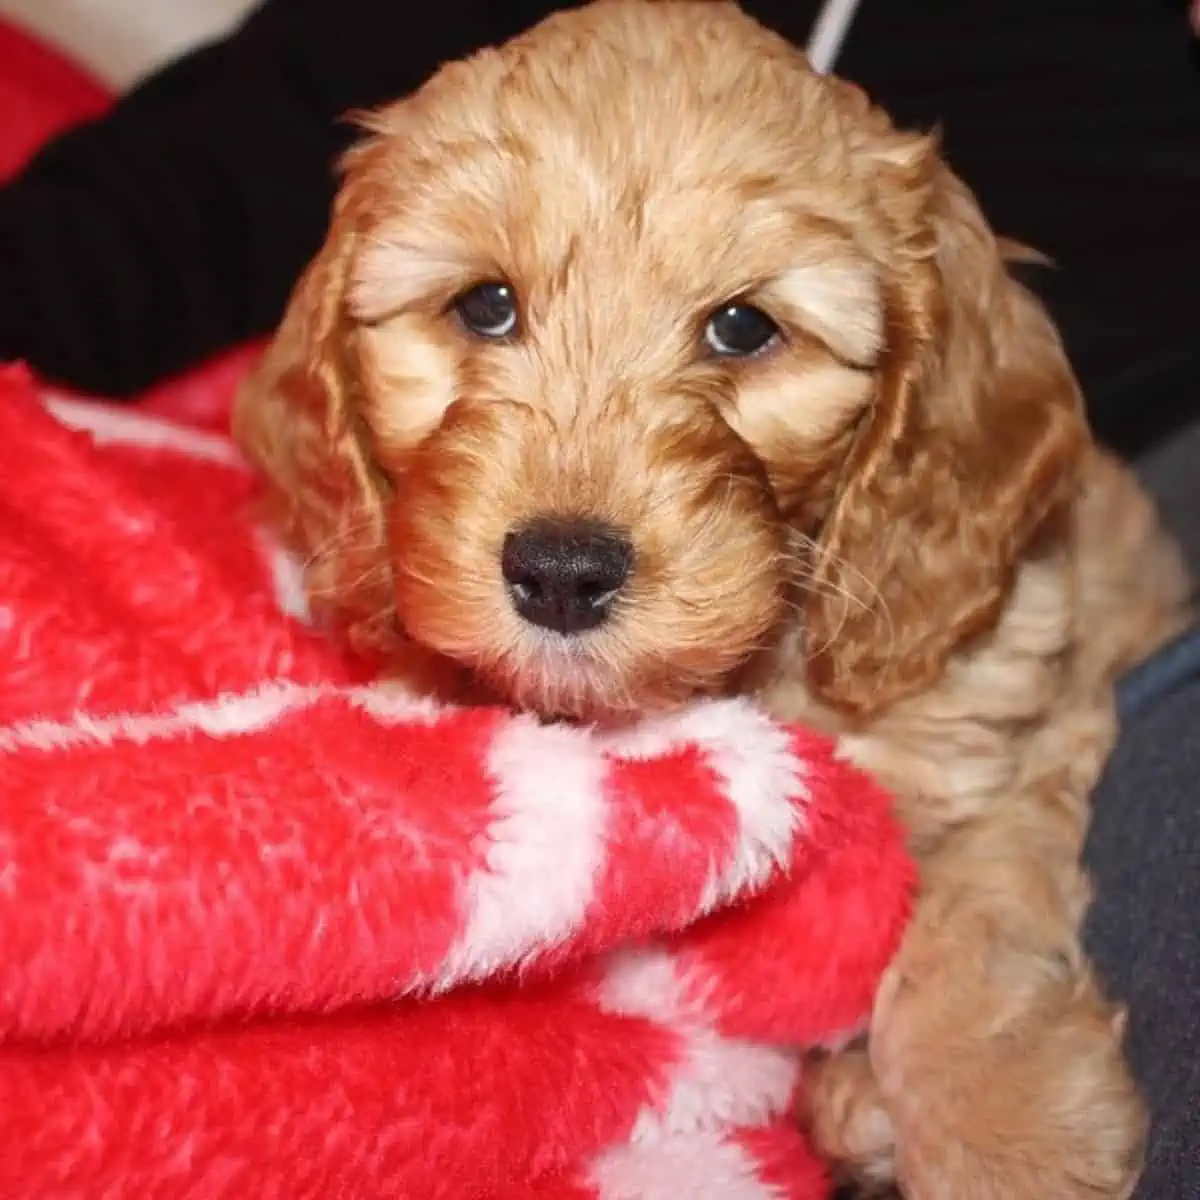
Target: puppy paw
x,y
842,1110
1004,1093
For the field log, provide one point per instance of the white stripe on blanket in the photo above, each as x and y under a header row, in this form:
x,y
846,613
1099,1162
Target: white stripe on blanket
x,y
549,832
228,715
108,424
720,1082
707,1165
755,763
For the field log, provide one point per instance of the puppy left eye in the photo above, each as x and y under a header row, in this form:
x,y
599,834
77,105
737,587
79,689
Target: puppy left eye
x,y
488,310
739,330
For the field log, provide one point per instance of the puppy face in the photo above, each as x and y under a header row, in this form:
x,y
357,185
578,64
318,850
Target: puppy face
x,y
610,325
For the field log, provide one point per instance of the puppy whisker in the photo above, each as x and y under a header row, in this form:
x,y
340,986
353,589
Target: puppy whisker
x,y
349,531
820,579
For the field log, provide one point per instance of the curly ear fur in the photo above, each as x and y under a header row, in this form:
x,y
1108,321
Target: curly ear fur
x,y
972,444
297,419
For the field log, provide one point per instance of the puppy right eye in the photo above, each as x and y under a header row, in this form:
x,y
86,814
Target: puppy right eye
x,y
488,310
739,331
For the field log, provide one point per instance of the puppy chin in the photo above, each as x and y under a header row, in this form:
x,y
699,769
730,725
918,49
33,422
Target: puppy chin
x,y
554,678
560,680
642,662
591,681
565,684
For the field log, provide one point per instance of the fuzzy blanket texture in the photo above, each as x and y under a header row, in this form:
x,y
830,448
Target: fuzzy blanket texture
x,y
273,928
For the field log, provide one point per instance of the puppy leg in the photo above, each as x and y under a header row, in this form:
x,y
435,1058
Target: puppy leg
x,y
991,1049
1009,1083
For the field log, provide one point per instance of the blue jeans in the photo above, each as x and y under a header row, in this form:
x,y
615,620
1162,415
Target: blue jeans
x,y
1144,927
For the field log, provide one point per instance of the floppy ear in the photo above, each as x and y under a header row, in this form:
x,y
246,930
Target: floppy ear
x,y
972,445
296,419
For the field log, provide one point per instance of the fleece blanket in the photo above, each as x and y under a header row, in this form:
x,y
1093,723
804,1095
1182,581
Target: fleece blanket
x,y
41,94
274,928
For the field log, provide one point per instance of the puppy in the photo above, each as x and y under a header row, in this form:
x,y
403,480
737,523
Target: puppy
x,y
642,363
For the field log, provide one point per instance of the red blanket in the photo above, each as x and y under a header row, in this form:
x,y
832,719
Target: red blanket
x,y
41,93
273,929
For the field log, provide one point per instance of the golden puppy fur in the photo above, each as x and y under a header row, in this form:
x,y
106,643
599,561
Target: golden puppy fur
x,y
891,522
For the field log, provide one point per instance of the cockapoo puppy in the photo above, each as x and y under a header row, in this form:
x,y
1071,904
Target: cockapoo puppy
x,y
643,363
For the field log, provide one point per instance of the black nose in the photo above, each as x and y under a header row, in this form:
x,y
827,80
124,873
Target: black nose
x,y
565,575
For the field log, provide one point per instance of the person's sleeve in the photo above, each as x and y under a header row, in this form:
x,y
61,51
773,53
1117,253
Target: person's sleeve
x,y
174,227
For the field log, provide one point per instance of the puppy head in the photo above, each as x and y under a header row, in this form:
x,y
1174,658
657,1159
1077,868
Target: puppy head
x,y
635,344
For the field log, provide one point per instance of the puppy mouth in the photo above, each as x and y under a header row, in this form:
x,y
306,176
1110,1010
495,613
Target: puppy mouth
x,y
565,678
604,660
553,676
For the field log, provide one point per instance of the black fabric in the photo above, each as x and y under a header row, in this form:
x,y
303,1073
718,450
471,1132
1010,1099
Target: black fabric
x,y
1077,122
137,245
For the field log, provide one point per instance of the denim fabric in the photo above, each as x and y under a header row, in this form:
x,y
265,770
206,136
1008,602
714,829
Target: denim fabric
x,y
1144,927
1174,666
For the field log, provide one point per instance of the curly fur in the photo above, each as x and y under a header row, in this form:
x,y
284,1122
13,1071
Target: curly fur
x,y
894,524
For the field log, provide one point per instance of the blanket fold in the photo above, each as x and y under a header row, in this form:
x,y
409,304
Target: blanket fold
x,y
273,927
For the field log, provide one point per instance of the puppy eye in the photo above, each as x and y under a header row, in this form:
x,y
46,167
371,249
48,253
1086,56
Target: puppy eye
x,y
488,310
739,330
